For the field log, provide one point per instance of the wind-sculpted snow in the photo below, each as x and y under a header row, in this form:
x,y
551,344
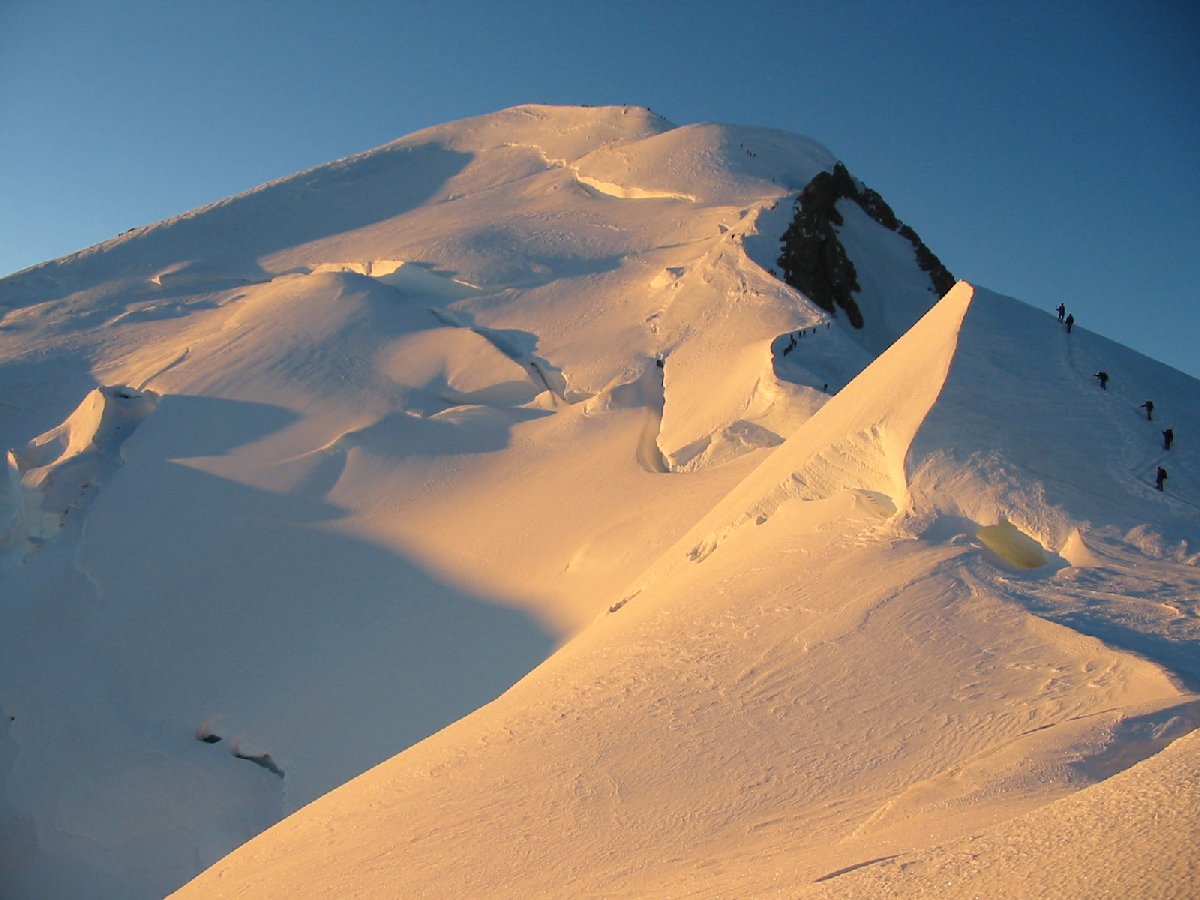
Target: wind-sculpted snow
x,y
859,440
199,596
505,226
498,459
629,192
54,476
407,278
1058,454
706,163
801,689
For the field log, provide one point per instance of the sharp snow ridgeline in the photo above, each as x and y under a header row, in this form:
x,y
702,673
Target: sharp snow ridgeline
x,y
500,458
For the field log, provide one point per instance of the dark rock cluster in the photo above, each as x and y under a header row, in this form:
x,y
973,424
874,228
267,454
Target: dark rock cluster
x,y
813,259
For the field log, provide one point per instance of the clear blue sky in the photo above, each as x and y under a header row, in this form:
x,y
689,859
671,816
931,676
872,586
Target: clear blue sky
x,y
1046,150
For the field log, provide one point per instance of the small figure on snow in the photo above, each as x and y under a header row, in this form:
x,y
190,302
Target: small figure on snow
x,y
659,361
1160,475
1070,323
1168,438
1148,406
1102,377
1062,311
791,345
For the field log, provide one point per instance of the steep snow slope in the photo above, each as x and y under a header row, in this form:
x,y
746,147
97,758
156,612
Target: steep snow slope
x,y
409,423
800,687
387,388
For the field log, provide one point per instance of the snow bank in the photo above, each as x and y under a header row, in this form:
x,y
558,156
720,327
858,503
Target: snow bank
x,y
55,474
408,278
859,440
1058,455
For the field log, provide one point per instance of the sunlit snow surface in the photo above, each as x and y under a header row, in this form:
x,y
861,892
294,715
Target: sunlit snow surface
x,y
501,412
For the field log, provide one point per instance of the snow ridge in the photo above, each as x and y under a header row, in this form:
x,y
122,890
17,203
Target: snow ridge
x,y
492,477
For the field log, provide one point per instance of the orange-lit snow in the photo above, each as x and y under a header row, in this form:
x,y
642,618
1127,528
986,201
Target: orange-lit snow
x,y
409,547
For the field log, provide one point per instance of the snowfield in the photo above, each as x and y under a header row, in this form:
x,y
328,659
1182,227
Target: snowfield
x,y
481,516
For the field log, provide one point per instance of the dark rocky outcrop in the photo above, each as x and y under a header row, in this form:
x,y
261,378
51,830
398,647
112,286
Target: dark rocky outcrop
x,y
813,259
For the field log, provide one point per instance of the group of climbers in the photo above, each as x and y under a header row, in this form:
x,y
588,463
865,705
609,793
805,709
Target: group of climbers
x,y
1102,377
792,338
1168,435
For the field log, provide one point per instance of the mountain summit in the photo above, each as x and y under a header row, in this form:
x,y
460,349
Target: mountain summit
x,y
492,515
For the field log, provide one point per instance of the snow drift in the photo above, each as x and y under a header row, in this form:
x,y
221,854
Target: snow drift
x,y
54,474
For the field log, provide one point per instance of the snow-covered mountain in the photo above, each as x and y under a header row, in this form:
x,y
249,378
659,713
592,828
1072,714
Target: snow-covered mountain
x,y
499,459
